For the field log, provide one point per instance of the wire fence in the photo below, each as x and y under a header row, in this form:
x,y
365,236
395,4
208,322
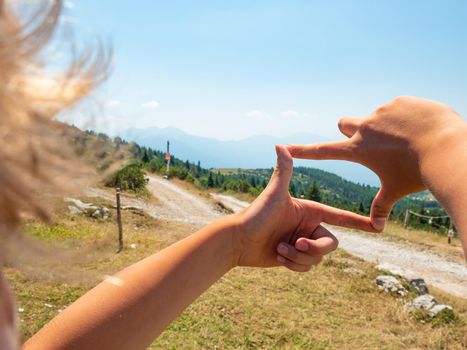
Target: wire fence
x,y
431,220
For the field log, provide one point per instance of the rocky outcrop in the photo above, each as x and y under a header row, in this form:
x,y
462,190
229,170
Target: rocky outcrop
x,y
390,284
77,207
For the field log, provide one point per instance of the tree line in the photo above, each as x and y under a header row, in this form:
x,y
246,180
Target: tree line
x,y
308,183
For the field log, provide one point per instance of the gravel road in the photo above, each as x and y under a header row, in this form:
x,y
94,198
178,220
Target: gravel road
x,y
177,204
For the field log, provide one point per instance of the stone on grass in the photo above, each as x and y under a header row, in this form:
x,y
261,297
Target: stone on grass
x,y
390,284
105,213
423,302
87,209
435,310
74,210
419,285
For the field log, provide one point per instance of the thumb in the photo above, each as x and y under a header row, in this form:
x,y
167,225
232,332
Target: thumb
x,y
284,169
381,208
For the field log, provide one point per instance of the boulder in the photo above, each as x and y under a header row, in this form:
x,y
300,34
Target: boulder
x,y
419,285
88,209
105,213
423,302
435,310
390,284
74,210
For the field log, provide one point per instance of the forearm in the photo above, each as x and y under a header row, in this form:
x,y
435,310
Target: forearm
x,y
129,310
444,171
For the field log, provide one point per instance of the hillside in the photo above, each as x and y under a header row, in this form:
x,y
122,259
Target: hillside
x,y
249,153
108,154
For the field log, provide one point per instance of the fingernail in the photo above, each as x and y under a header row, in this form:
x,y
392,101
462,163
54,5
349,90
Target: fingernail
x,y
302,245
282,249
379,223
280,259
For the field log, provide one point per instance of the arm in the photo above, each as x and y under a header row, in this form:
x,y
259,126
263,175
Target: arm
x,y
129,310
444,172
411,144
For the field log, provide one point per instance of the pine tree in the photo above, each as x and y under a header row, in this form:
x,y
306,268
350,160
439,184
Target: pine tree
x,y
361,209
210,180
253,181
292,190
313,193
145,158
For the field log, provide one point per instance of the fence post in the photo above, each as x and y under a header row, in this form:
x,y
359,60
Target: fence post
x,y
406,218
450,231
119,222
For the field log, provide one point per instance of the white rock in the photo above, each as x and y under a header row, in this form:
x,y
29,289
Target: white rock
x,y
81,205
390,284
133,246
49,306
74,210
438,308
423,302
20,310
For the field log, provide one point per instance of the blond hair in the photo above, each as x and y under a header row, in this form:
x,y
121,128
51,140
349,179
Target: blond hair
x,y
30,97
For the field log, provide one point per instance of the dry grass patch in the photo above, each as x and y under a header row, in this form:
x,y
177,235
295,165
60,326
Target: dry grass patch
x,y
326,308
425,240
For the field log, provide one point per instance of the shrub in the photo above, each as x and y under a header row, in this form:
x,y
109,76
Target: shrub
x,y
155,165
130,177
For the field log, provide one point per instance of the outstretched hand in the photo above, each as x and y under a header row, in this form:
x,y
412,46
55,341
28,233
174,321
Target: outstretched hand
x,y
280,230
394,142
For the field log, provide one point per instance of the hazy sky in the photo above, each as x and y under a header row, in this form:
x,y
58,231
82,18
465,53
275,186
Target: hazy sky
x,y
230,69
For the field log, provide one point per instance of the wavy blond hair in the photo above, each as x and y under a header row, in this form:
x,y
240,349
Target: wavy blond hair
x,y
30,97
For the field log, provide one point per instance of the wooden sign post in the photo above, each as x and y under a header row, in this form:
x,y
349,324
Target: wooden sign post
x,y
167,157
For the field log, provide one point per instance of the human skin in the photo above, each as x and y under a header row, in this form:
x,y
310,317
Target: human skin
x,y
130,309
412,144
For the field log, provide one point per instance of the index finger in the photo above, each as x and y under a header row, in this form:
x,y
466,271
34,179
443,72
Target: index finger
x,y
344,218
339,217
344,150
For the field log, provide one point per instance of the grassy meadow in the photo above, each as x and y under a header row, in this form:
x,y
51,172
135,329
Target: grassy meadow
x,y
326,308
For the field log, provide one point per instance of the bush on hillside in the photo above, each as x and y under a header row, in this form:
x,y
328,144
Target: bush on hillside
x,y
130,177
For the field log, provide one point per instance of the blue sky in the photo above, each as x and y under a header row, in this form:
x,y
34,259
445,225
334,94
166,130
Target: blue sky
x,y
230,69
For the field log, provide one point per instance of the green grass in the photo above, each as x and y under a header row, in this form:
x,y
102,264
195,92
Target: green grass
x,y
248,308
58,232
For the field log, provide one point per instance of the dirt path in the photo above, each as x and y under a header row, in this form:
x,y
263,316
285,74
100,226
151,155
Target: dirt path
x,y
406,261
174,203
177,204
233,203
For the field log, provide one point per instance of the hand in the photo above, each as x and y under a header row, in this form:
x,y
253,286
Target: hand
x,y
280,230
394,142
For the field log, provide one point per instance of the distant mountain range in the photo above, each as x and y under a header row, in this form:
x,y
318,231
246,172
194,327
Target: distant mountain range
x,y
252,152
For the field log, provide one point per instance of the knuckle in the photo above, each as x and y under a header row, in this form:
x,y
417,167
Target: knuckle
x,y
296,150
341,123
400,99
